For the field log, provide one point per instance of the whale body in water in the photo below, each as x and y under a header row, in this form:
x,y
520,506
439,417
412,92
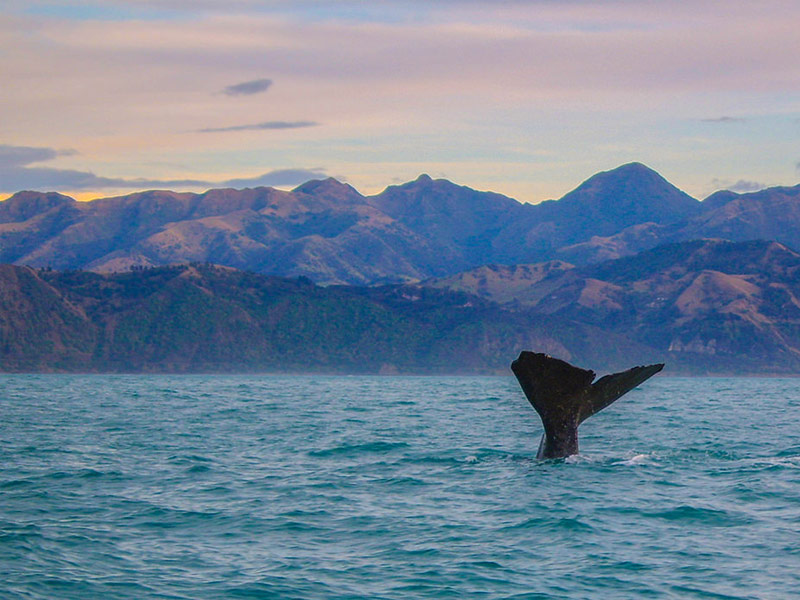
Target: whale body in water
x,y
564,396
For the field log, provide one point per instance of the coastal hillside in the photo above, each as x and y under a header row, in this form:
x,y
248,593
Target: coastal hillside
x,y
206,318
703,307
718,305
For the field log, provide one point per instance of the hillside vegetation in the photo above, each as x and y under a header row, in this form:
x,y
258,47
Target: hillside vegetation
x,y
703,307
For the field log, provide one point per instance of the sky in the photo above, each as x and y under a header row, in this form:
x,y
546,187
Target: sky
x,y
525,98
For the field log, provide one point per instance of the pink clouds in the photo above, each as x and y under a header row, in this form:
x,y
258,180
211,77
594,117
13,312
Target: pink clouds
x,y
113,88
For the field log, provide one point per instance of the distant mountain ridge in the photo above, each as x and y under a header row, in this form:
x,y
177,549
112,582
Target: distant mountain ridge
x,y
611,201
327,231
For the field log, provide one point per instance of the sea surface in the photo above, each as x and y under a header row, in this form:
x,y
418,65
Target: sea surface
x,y
194,487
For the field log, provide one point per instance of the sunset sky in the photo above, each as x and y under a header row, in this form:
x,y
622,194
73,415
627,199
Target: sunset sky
x,y
526,98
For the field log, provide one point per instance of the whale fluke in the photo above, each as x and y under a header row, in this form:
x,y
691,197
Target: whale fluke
x,y
564,396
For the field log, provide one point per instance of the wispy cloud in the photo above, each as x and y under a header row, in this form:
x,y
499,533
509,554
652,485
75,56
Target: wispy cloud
x,y
277,177
248,88
724,120
16,173
264,125
797,166
741,186
462,83
11,156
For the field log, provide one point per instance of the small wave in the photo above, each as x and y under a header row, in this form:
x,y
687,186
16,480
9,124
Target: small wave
x,y
434,460
15,532
402,481
550,524
15,484
188,459
194,464
369,447
689,457
768,463
791,452
577,459
637,460
198,469
634,459
79,473
705,454
788,461
482,456
164,517
703,516
295,526
426,551
304,513
487,564
89,473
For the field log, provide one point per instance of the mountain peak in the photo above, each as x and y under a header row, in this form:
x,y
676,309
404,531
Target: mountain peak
x,y
633,167
632,193
329,189
30,196
718,199
27,204
633,171
424,182
329,184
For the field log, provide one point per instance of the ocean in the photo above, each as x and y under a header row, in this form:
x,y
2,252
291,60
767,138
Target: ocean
x,y
317,487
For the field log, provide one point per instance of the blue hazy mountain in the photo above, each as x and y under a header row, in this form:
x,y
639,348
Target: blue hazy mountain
x,y
327,231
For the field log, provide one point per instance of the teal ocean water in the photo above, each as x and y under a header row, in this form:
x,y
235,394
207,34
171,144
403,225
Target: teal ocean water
x,y
194,487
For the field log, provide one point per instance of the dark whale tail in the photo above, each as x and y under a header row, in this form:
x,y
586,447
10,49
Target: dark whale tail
x,y
564,396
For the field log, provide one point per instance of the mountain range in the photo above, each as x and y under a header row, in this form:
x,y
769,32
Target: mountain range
x,y
425,277
706,306
329,232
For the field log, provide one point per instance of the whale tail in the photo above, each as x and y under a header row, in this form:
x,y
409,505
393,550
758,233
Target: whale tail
x,y
564,396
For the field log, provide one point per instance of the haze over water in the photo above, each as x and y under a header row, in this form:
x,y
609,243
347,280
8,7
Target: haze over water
x,y
392,487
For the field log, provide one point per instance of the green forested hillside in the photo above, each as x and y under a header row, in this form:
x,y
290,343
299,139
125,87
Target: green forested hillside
x,y
704,307
208,318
